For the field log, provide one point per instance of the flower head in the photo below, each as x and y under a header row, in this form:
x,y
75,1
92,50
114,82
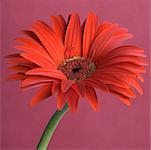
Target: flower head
x,y
73,60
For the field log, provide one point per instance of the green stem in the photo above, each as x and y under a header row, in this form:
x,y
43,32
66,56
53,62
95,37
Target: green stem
x,y
50,128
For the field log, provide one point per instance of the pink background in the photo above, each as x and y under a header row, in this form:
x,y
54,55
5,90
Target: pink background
x,y
116,126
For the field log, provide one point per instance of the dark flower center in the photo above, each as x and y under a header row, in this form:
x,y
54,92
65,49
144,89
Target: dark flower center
x,y
77,68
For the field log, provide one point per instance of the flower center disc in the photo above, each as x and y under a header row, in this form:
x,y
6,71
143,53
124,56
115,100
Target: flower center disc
x,y
77,68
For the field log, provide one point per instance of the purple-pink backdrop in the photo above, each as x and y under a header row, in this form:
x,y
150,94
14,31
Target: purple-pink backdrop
x,y
116,126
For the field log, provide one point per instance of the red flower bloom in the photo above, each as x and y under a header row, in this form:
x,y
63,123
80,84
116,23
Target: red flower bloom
x,y
73,60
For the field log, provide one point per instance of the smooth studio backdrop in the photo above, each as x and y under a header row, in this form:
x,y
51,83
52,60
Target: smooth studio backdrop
x,y
116,126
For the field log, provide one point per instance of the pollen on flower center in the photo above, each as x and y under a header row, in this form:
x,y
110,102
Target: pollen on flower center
x,y
77,68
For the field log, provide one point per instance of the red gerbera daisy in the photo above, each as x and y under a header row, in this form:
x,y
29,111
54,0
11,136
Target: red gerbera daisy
x,y
74,60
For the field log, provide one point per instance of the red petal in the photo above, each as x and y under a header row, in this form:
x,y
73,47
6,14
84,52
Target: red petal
x,y
43,93
17,59
107,37
36,86
32,80
106,78
104,25
119,72
79,87
20,68
47,72
32,36
96,83
17,76
127,92
123,98
12,56
92,98
63,98
116,40
38,59
140,78
89,32
33,47
125,65
126,50
73,36
50,41
55,86
126,59
73,101
102,38
66,84
59,26
135,84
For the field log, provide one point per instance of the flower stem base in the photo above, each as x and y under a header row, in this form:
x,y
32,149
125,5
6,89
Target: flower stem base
x,y
50,128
